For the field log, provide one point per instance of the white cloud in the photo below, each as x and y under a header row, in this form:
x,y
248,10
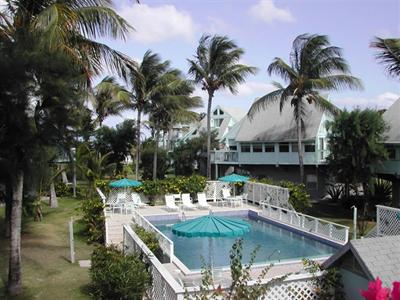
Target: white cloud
x,y
380,101
267,11
158,23
254,88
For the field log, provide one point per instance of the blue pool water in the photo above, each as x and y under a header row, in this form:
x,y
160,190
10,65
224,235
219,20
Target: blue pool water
x,y
269,237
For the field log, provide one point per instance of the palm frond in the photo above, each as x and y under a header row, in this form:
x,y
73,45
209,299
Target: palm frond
x,y
388,54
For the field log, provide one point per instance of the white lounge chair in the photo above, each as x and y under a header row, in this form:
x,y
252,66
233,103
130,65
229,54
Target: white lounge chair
x,y
187,202
202,201
170,203
119,203
177,198
137,201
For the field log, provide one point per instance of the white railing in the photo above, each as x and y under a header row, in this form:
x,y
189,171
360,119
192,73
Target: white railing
x,y
213,189
260,193
387,220
164,286
218,156
103,199
333,231
167,246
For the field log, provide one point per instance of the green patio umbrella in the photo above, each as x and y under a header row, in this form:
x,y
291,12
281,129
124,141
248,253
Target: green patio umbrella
x,y
125,183
211,226
234,178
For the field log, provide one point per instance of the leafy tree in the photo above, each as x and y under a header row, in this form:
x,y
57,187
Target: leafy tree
x,y
355,144
171,105
315,66
214,67
109,99
388,54
31,32
147,161
93,165
145,81
189,156
117,140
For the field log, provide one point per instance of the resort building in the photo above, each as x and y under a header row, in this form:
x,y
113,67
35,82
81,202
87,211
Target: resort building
x,y
266,146
390,169
223,119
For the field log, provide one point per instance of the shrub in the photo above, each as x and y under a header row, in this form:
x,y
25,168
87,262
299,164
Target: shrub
x,y
335,191
299,198
118,276
93,218
62,189
149,238
103,185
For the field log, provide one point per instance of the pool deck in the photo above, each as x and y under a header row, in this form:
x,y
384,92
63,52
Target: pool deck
x,y
115,222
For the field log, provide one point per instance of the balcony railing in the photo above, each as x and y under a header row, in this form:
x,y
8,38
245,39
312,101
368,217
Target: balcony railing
x,y
224,156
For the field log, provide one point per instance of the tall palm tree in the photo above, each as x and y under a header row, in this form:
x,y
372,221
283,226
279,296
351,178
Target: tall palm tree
x,y
216,66
171,105
388,53
109,99
30,28
315,66
145,81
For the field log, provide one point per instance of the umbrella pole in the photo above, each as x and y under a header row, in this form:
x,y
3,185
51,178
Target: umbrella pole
x,y
211,258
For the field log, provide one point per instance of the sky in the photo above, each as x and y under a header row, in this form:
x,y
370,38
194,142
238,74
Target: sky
x,y
265,29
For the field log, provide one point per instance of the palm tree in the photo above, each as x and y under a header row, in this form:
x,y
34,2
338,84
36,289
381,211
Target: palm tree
x,y
315,66
109,99
30,28
216,66
388,54
171,105
145,82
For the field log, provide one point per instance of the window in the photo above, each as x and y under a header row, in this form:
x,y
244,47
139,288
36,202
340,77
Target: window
x,y
245,148
312,182
233,148
217,122
309,147
321,144
269,148
391,152
257,148
295,148
221,112
215,112
283,147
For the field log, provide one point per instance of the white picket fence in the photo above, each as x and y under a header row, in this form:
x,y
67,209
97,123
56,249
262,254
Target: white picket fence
x,y
166,287
387,220
257,193
166,245
333,231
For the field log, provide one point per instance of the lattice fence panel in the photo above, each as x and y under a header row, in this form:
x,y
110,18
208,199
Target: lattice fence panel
x,y
213,189
324,228
299,290
388,220
264,193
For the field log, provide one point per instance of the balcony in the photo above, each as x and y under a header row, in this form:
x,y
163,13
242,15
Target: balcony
x,y
224,156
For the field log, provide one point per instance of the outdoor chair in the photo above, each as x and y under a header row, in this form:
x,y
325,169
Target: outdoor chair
x,y
177,198
187,202
119,203
137,201
170,203
202,201
226,196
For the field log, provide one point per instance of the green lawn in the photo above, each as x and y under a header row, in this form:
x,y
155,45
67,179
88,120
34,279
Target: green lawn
x,y
47,272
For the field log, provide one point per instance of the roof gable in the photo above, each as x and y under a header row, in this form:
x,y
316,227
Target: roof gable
x,y
392,118
272,125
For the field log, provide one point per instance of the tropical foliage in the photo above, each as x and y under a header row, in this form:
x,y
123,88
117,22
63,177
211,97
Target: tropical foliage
x,y
93,219
315,66
216,66
388,54
118,276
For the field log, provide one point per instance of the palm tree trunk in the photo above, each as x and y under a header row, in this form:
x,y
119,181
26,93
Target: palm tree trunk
x,y
210,96
155,154
14,272
139,115
53,196
8,198
299,139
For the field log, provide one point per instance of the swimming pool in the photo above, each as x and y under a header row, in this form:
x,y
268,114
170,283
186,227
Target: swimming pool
x,y
276,244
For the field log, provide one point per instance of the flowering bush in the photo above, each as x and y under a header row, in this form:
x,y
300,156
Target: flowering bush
x,y
377,292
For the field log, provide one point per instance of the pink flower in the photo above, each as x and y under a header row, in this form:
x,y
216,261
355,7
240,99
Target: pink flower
x,y
375,291
396,290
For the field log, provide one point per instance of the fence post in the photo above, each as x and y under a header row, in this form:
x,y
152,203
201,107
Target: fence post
x,y
316,226
71,239
280,214
378,221
302,221
330,229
